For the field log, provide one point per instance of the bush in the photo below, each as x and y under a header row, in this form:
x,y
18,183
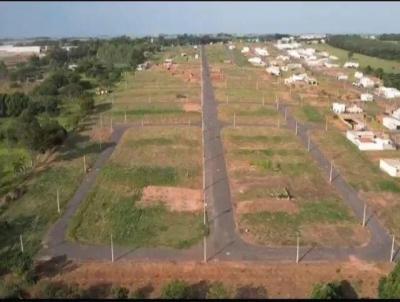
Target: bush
x,y
51,290
16,262
389,287
327,291
119,292
217,291
86,104
176,289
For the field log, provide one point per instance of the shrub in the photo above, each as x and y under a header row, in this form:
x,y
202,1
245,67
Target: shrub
x,y
175,289
59,290
119,292
217,291
327,291
389,287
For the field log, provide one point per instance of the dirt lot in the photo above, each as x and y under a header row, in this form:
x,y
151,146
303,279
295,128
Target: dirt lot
x,y
275,280
175,199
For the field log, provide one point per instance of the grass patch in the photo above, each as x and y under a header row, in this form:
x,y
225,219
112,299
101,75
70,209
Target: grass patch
x,y
312,114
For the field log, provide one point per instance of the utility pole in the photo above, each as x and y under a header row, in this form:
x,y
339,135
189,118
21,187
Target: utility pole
x,y
111,125
21,243
263,99
392,250
326,123
142,123
285,114
84,164
298,249
227,99
331,173
101,121
296,128
279,123
364,215
309,142
112,249
58,201
234,120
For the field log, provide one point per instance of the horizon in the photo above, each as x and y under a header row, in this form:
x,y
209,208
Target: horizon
x,y
139,19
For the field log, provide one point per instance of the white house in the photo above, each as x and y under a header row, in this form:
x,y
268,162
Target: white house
x,y
388,92
274,70
324,54
245,49
365,82
333,58
339,108
282,58
342,77
391,123
351,65
284,68
354,109
366,97
358,75
231,47
391,166
256,61
331,65
20,49
292,66
261,52
396,113
369,141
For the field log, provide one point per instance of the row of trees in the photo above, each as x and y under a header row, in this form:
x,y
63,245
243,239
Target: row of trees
x,y
375,48
389,79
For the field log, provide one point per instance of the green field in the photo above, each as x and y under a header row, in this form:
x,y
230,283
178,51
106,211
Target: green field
x,y
386,65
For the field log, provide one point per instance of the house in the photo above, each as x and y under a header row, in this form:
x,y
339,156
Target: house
x,y
354,109
354,121
358,75
324,54
338,108
143,66
256,61
292,66
20,49
365,82
351,65
196,56
168,63
366,97
262,52
274,70
391,166
391,122
282,58
284,68
333,58
72,66
342,77
396,113
231,47
331,65
369,141
245,49
388,92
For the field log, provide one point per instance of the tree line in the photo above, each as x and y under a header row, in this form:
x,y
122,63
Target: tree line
x,y
375,48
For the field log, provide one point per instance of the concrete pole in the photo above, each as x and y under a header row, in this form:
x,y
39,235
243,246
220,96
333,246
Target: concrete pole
x,y
205,249
392,250
227,99
21,243
125,117
111,125
364,215
298,249
309,143
279,123
331,173
326,124
257,85
84,164
234,120
263,99
58,201
296,128
285,114
101,121
142,123
112,249
226,83
189,122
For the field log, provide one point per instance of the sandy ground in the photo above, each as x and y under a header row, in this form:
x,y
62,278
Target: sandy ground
x,y
192,107
271,205
284,280
176,199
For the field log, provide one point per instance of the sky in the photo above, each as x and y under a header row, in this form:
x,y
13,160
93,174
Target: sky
x,y
83,19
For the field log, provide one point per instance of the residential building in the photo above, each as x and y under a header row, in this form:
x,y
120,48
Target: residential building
x,y
274,70
391,123
388,92
342,77
256,61
366,97
391,166
351,65
358,75
369,141
338,108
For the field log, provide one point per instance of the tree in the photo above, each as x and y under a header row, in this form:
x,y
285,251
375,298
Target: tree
x,y
217,291
3,70
86,104
327,291
175,289
389,287
350,55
